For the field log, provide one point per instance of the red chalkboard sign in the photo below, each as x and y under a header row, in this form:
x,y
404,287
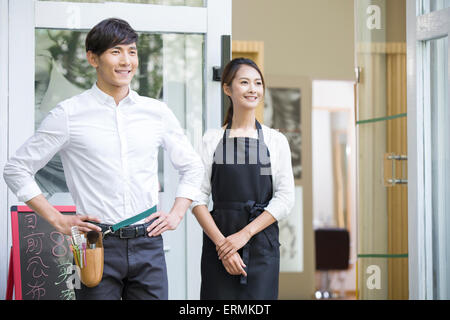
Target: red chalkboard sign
x,y
41,266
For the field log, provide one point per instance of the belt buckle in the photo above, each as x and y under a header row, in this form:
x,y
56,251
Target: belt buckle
x,y
121,236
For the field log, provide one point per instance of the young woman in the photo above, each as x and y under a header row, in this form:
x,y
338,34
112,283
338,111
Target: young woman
x,y
248,172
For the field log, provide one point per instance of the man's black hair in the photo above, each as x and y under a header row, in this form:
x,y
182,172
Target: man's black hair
x,y
109,33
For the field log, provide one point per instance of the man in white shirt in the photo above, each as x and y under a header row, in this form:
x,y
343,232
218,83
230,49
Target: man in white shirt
x,y
108,139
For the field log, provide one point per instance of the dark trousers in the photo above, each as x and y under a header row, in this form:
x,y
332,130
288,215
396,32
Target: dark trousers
x,y
134,269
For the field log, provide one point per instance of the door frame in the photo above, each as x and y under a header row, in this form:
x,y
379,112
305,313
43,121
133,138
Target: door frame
x,y
5,218
420,28
22,17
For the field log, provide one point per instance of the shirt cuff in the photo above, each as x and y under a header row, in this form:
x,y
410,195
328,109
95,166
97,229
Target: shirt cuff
x,y
28,192
277,210
198,203
188,191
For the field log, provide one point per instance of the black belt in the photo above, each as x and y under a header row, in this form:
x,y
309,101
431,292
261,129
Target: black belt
x,y
126,232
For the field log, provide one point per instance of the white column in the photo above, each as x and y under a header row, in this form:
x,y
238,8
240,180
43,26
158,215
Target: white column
x,y
218,24
4,230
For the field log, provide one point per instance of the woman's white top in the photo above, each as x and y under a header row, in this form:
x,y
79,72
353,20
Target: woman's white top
x,y
281,167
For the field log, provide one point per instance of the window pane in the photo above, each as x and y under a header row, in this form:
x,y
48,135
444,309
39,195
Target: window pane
x,y
170,69
440,158
439,4
427,6
187,3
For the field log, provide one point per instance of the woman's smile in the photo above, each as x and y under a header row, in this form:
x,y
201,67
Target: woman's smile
x,y
247,87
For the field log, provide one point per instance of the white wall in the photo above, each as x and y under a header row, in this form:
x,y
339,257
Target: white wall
x,y
323,184
301,37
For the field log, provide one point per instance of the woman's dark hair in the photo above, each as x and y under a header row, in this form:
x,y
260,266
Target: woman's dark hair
x,y
228,75
109,33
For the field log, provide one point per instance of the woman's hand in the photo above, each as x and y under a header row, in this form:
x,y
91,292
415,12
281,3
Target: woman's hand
x,y
232,244
65,222
234,265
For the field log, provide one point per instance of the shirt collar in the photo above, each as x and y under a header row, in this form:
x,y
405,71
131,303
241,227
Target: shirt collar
x,y
107,99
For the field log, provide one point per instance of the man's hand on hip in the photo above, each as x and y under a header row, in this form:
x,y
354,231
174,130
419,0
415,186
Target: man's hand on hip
x,y
168,221
61,222
64,223
163,222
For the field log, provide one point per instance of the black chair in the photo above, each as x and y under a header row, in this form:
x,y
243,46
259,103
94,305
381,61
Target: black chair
x,y
332,253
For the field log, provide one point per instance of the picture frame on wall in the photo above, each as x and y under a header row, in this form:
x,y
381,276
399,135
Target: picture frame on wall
x,y
284,101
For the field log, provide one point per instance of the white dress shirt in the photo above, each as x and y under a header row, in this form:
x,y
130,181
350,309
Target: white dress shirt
x,y
282,200
109,153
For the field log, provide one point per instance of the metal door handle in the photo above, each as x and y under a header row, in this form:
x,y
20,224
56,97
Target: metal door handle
x,y
390,178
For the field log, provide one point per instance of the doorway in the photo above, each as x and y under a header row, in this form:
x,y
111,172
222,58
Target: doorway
x,y
428,23
179,45
334,177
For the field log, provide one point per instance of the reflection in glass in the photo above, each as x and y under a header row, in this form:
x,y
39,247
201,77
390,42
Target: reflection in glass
x,y
428,6
187,3
172,62
440,158
339,125
439,4
372,213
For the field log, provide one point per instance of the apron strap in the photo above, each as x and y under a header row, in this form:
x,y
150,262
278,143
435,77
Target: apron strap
x,y
226,133
260,131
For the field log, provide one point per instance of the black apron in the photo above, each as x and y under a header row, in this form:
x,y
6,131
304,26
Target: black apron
x,y
241,185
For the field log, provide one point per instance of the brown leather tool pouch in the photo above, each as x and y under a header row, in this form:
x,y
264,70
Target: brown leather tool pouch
x,y
91,272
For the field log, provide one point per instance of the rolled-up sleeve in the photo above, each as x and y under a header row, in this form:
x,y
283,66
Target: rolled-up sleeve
x,y
282,201
183,157
207,154
51,136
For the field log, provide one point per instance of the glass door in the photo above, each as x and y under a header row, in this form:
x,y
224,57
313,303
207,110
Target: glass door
x,y
429,106
382,214
175,66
